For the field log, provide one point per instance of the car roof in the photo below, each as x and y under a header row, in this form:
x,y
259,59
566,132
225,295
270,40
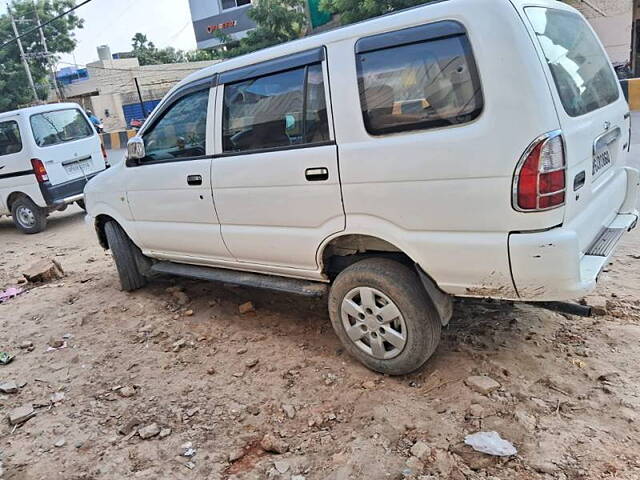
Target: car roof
x,y
38,109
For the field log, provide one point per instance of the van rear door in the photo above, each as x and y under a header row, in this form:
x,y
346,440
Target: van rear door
x,y
67,144
593,115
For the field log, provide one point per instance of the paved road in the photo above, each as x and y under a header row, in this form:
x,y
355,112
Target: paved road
x,y
116,156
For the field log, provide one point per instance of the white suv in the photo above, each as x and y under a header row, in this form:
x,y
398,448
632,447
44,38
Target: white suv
x,y
463,148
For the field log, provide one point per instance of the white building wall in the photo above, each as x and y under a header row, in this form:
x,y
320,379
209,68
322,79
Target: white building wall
x,y
612,21
111,85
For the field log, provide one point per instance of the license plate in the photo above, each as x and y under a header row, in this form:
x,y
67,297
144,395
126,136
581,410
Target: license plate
x,y
78,167
601,161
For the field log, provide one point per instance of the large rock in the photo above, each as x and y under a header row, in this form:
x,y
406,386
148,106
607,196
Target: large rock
x,y
421,450
599,306
482,384
270,443
44,271
149,431
8,387
21,414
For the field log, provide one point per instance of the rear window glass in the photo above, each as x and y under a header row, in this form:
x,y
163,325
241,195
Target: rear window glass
x,y
581,69
423,85
60,126
10,141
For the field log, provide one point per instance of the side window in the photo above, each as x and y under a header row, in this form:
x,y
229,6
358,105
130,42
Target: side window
x,y
317,126
422,85
182,130
269,112
10,141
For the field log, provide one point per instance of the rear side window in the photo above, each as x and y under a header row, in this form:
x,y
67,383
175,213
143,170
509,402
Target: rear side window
x,y
60,126
10,141
276,111
579,66
421,85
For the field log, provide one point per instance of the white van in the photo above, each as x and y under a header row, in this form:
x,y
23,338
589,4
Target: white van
x,y
471,148
47,155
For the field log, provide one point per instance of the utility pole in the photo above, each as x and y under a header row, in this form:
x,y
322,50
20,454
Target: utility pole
x,y
46,53
144,110
22,56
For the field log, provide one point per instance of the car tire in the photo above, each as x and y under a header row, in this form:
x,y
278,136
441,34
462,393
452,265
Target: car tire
x,y
384,316
82,205
28,217
127,256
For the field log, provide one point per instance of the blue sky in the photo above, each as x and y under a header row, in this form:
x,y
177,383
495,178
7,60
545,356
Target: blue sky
x,y
114,22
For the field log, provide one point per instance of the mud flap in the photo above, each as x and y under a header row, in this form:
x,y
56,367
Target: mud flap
x,y
442,301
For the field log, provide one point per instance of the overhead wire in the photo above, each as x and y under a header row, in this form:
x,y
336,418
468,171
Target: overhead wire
x,y
44,24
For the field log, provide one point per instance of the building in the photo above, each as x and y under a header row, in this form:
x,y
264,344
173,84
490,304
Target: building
x,y
119,90
613,22
213,19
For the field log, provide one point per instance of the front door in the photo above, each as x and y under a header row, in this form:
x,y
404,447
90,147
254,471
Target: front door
x,y
169,191
275,178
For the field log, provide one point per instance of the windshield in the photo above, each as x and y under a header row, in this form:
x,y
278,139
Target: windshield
x,y
60,126
580,68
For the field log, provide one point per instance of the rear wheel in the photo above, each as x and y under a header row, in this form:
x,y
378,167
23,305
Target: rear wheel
x,y
127,256
384,317
28,217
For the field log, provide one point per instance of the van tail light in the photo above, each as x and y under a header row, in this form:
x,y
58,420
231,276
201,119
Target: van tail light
x,y
540,180
39,170
104,152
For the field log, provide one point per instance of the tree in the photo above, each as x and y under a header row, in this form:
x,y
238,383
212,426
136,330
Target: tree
x,y
148,54
277,21
60,36
355,10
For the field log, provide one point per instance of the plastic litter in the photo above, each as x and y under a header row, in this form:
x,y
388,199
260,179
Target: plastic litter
x,y
10,293
5,358
490,443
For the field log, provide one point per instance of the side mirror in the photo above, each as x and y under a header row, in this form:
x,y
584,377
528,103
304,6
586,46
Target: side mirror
x,y
135,151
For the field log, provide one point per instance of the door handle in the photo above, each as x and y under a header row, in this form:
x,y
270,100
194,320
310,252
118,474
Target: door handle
x,y
194,180
317,174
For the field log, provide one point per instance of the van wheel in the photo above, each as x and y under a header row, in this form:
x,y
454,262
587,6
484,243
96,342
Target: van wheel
x,y
28,217
81,204
384,317
128,257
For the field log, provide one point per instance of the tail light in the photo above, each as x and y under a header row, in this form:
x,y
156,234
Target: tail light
x,y
540,180
104,152
39,170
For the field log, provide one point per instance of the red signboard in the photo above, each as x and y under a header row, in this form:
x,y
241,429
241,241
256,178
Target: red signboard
x,y
222,26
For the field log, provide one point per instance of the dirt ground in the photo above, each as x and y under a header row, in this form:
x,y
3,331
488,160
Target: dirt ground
x,y
569,398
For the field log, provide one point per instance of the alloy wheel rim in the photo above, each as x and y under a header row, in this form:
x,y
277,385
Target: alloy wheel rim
x,y
374,323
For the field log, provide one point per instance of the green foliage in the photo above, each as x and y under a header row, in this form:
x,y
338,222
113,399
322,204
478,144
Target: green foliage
x,y
278,21
355,10
148,54
60,39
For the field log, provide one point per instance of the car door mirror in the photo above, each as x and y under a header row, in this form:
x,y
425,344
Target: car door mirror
x,y
135,151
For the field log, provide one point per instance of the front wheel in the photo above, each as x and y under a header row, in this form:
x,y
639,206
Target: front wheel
x,y
28,217
128,257
384,317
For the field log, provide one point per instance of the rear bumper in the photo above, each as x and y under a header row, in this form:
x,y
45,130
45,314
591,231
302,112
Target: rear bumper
x,y
557,264
65,193
549,266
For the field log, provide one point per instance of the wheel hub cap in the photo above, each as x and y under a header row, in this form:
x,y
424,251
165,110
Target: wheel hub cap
x,y
374,323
